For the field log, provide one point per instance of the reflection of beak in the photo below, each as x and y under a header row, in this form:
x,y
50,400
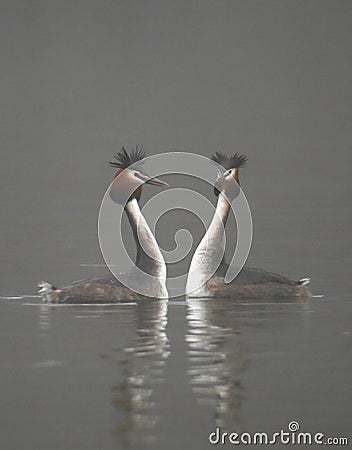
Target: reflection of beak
x,y
154,181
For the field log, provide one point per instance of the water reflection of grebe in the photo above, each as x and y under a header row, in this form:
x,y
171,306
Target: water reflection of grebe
x,y
251,283
216,360
149,258
142,370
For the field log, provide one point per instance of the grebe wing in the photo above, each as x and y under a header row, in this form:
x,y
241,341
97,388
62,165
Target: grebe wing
x,y
256,284
94,290
107,280
251,275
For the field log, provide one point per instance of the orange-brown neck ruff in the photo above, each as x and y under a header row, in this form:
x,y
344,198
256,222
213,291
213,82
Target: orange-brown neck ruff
x,y
136,194
237,176
118,171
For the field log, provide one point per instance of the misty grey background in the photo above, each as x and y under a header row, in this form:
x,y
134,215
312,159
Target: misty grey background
x,y
79,79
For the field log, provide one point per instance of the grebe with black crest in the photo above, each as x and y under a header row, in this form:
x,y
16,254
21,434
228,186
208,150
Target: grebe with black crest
x,y
148,259
205,280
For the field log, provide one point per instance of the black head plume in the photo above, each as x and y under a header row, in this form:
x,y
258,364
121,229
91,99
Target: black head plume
x,y
230,162
124,159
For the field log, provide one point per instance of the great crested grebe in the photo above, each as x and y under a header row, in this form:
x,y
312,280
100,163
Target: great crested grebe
x,y
149,258
250,283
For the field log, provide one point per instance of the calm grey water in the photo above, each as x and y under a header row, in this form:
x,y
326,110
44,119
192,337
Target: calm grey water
x,y
82,78
126,376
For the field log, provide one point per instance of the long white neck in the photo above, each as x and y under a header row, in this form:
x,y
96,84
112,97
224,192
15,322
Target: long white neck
x,y
149,258
210,250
